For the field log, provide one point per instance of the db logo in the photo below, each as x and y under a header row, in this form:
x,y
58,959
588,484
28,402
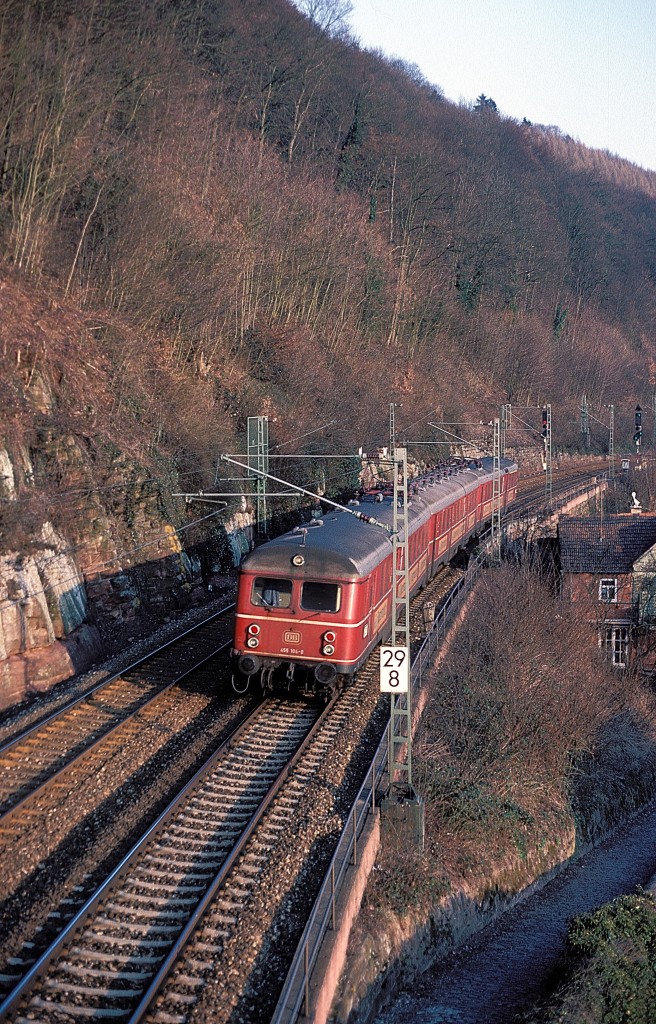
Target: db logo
x,y
292,638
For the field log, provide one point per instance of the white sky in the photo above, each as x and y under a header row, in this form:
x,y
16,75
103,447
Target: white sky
x,y
588,66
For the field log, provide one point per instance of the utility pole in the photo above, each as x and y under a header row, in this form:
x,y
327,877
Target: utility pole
x,y
611,445
506,423
401,704
652,381
258,465
392,429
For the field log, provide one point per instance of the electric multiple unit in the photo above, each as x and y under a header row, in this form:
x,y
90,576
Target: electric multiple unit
x,y
312,603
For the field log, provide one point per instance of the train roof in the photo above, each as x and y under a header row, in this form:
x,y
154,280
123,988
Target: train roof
x,y
340,546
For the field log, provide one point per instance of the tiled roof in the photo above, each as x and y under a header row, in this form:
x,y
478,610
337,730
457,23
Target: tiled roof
x,y
611,544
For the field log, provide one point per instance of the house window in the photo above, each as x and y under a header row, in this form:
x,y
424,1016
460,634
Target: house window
x,y
614,642
608,591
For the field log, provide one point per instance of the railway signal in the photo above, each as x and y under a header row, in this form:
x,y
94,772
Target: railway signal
x,y
637,437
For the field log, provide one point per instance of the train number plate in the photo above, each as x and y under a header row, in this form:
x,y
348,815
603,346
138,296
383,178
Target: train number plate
x,y
292,638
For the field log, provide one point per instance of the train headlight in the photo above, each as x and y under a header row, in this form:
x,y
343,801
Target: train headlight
x,y
253,629
252,642
328,649
298,560
329,637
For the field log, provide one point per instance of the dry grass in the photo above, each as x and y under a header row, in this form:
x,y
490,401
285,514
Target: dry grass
x,y
528,738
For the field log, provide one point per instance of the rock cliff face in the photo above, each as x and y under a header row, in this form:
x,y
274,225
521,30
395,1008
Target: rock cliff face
x,y
98,431
45,635
119,567
94,547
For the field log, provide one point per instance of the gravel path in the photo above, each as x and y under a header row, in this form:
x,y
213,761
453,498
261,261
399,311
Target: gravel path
x,y
503,970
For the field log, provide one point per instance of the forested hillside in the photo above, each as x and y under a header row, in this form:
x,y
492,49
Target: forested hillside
x,y
257,198
211,209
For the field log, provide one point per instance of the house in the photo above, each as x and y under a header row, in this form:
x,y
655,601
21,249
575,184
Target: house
x,y
608,573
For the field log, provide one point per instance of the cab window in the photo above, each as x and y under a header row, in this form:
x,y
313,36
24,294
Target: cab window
x,y
320,597
269,592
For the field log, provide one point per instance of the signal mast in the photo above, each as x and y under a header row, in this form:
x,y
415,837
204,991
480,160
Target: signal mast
x,y
637,437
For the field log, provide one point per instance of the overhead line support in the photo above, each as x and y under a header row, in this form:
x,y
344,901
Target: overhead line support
x,y
496,494
311,494
401,703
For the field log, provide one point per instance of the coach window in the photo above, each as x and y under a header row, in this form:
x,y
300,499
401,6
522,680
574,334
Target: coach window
x,y
608,591
269,592
320,597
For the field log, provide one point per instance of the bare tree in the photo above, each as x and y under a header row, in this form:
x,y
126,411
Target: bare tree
x,y
330,15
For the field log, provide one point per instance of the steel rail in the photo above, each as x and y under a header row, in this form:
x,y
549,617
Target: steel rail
x,y
97,741
168,964
40,968
100,733
59,712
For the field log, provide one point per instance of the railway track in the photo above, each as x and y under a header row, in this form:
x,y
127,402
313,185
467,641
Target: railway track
x,y
174,982
215,971
532,500
116,951
60,837
32,761
223,921
38,757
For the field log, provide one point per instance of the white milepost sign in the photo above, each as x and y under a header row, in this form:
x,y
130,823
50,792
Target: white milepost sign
x,y
394,669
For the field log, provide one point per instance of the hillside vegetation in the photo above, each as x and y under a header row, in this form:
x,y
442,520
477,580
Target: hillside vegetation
x,y
285,221
525,757
610,969
214,210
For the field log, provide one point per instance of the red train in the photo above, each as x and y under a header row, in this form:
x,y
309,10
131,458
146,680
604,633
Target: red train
x,y
312,603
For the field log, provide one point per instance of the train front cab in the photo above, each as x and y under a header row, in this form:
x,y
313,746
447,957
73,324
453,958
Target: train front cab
x,y
296,632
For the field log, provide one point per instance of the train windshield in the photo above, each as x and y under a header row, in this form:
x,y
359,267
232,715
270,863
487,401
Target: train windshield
x,y
269,592
320,597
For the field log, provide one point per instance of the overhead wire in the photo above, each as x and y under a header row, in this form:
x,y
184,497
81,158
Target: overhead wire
x,y
124,553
